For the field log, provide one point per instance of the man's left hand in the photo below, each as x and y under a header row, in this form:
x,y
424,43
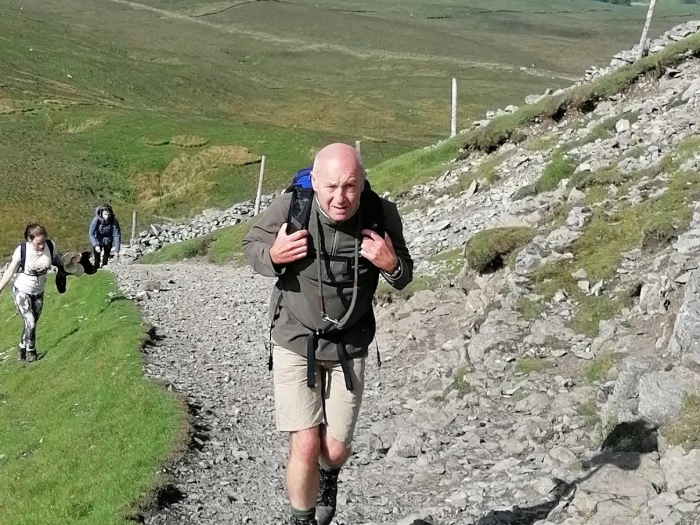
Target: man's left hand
x,y
379,251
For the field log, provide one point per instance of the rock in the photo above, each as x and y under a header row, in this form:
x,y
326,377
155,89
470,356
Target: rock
x,y
580,275
661,394
691,91
622,125
576,196
142,296
682,469
407,445
560,296
471,190
562,238
686,331
584,286
688,243
533,404
500,329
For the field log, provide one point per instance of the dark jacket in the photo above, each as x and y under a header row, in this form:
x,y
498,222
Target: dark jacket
x,y
297,283
103,233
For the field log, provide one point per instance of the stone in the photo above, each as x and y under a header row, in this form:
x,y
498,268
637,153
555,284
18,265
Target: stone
x,y
560,296
562,238
499,329
691,91
661,394
686,330
681,468
622,125
584,286
576,196
580,275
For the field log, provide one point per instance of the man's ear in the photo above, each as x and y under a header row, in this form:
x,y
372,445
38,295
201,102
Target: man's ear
x,y
313,181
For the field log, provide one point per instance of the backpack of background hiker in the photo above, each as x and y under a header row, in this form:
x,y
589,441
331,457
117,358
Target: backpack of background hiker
x,y
372,212
23,254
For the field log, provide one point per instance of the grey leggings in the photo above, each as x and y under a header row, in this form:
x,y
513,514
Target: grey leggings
x,y
29,307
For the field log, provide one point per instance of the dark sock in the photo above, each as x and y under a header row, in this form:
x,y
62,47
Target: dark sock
x,y
303,515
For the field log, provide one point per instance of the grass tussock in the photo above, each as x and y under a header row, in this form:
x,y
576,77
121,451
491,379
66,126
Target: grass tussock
x,y
489,249
685,431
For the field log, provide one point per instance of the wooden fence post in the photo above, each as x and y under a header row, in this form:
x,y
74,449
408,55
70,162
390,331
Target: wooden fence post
x,y
133,229
645,31
453,120
258,196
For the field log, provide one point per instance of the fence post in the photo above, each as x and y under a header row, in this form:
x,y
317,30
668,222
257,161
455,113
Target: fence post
x,y
645,31
453,131
358,146
260,183
133,229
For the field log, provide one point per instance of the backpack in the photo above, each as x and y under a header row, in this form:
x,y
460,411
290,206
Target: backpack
x,y
23,254
371,209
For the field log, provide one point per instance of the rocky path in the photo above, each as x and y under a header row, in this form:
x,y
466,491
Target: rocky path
x,y
427,444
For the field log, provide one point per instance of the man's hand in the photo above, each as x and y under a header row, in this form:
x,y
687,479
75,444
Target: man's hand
x,y
98,249
379,251
289,248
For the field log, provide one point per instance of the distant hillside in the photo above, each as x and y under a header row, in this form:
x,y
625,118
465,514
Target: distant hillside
x,y
132,102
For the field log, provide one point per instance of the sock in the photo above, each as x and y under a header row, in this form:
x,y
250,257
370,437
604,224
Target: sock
x,y
304,515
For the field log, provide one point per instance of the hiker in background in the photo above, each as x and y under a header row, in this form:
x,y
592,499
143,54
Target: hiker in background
x,y
327,246
105,235
31,261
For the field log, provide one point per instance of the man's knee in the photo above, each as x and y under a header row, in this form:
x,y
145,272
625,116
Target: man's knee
x,y
306,445
335,452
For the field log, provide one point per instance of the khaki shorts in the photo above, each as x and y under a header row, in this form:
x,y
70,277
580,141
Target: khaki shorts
x,y
299,407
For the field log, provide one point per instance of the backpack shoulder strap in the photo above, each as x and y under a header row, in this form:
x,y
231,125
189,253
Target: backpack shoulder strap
x,y
49,243
372,212
22,257
300,209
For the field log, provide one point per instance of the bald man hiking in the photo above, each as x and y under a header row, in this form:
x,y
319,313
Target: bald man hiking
x,y
327,246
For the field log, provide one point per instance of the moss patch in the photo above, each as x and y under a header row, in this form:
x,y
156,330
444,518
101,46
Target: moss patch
x,y
489,249
685,430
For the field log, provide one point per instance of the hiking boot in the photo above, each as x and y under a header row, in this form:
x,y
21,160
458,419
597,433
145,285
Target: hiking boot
x,y
299,521
327,494
21,354
31,356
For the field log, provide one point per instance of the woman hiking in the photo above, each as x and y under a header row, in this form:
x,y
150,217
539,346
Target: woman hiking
x,y
31,261
105,234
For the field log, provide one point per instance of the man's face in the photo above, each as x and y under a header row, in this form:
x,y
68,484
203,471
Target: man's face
x,y
338,190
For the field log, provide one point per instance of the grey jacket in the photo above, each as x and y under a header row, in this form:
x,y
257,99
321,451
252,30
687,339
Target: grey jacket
x,y
297,291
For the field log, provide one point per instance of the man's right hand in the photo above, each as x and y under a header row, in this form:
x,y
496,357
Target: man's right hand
x,y
98,249
289,248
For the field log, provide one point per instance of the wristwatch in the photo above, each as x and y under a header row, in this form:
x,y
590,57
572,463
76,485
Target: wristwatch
x,y
395,273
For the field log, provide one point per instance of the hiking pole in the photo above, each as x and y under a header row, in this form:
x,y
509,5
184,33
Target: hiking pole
x,y
358,146
260,181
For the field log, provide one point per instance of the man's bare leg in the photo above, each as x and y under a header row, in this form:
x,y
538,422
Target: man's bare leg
x,y
302,473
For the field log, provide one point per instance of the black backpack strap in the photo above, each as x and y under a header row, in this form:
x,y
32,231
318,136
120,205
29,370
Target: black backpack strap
x,y
300,209
50,244
372,212
22,257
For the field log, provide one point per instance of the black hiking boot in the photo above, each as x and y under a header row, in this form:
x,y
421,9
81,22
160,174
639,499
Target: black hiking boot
x,y
21,354
31,356
327,494
300,521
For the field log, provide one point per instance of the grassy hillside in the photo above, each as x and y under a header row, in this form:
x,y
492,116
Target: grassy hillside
x,y
82,433
98,98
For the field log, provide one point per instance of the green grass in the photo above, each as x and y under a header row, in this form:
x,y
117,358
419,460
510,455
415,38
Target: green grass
x,y
528,309
529,365
558,169
589,413
98,109
218,247
685,430
601,365
489,249
82,433
459,382
601,178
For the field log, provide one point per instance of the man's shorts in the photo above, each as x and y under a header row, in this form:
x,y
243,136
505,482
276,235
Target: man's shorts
x,y
299,407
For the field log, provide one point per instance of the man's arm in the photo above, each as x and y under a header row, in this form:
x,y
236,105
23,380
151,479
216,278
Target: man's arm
x,y
403,274
262,235
91,232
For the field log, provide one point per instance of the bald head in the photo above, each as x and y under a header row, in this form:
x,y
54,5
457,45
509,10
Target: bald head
x,y
338,177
